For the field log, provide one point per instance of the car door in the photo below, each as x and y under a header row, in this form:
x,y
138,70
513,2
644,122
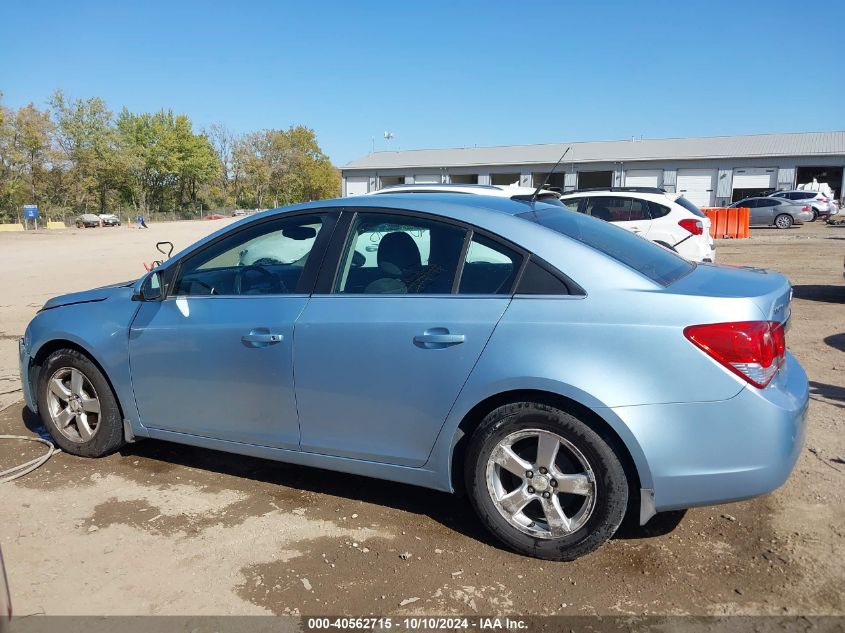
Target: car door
x,y
629,213
215,357
765,210
757,216
386,344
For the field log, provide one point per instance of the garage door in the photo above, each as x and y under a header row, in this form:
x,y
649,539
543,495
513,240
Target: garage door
x,y
752,178
428,179
643,177
357,185
697,185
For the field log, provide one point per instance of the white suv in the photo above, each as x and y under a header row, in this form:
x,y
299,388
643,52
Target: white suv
x,y
667,219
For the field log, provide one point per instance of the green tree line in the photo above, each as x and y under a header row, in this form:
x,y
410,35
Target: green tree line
x,y
77,156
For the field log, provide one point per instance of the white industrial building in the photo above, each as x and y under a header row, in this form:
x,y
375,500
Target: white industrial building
x,y
710,171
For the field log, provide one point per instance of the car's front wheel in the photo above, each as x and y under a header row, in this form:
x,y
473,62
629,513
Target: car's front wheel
x,y
544,482
78,406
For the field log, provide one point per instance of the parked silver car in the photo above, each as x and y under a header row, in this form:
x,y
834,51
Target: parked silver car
x,y
820,205
777,212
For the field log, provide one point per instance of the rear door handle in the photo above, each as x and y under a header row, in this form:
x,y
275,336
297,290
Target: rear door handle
x,y
438,337
257,338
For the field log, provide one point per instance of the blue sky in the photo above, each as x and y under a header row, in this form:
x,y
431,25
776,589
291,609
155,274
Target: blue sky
x,y
441,74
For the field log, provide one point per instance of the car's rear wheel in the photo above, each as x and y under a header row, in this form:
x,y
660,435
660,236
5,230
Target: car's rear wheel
x,y
815,215
545,483
783,221
78,406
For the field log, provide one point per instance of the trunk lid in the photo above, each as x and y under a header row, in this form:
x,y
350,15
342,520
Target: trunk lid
x,y
771,292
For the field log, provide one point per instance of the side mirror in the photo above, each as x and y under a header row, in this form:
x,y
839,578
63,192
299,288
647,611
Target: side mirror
x,y
149,288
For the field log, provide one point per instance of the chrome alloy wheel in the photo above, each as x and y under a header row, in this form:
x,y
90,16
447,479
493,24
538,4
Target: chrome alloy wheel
x,y
73,404
541,483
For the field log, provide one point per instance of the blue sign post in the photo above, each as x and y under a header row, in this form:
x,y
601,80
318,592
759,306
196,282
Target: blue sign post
x,y
30,212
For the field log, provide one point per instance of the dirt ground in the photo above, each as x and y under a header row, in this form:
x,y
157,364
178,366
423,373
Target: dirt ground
x,y
167,529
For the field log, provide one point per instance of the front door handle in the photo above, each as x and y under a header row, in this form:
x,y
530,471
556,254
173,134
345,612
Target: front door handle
x,y
261,338
438,337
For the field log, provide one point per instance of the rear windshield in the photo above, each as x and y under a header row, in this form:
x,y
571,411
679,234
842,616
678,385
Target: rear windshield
x,y
689,206
655,262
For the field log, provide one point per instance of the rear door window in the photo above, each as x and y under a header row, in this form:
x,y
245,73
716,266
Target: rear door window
x,y
395,254
618,209
489,267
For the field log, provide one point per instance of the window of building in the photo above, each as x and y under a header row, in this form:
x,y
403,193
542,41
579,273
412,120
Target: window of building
x,y
504,179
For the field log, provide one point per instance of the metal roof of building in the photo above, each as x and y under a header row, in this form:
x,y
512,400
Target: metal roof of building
x,y
793,144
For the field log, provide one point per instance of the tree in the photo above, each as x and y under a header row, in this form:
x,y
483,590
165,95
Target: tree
x,y
223,141
77,156
283,167
86,140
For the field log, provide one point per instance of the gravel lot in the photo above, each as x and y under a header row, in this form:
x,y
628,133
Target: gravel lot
x,y
168,529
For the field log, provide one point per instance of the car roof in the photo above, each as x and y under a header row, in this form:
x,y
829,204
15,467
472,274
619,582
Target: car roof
x,y
649,194
501,191
782,200
420,200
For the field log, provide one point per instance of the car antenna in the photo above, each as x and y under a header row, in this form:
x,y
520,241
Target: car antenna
x,y
549,175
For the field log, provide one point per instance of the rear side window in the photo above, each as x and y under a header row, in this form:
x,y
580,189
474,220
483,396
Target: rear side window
x,y
538,280
770,202
655,262
689,206
658,210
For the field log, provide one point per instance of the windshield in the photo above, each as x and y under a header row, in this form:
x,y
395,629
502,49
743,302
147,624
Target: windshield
x,y
655,262
689,206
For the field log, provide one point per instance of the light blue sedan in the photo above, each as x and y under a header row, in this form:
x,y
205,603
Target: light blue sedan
x,y
557,369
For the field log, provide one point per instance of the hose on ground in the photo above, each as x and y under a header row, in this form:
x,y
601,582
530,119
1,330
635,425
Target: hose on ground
x,y
16,472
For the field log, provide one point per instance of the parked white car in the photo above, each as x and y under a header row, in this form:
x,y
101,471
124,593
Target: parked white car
x,y
668,219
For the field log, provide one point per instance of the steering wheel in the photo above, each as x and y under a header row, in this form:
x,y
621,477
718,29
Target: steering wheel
x,y
211,289
276,285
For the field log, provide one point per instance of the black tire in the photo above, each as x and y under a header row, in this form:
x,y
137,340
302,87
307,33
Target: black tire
x,y
784,221
108,434
611,484
815,215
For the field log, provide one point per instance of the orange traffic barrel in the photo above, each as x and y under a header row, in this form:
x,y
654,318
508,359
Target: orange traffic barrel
x,y
728,222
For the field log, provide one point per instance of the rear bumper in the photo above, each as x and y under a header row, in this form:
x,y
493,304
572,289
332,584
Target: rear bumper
x,y
715,452
698,249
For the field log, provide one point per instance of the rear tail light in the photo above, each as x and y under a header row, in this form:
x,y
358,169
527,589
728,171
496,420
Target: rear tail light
x,y
805,208
753,350
696,227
